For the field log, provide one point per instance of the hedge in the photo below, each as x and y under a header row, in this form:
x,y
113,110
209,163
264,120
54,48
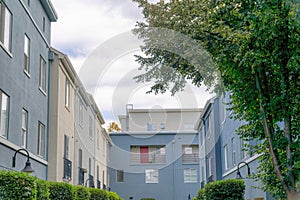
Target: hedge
x,y
231,189
61,191
43,192
96,194
22,186
82,193
17,185
147,199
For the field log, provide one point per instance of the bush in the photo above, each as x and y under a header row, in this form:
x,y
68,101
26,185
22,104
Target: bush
x,y
43,192
113,196
82,193
231,189
147,199
17,185
61,191
97,194
200,195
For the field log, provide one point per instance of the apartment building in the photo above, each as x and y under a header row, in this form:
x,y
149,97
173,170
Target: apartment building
x,y
24,91
63,84
91,142
221,149
156,155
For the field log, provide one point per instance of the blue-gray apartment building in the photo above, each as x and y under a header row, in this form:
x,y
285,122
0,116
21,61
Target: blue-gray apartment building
x,y
221,150
25,27
156,155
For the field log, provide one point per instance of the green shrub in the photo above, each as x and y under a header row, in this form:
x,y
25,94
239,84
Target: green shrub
x,y
82,193
147,199
113,196
97,194
200,195
43,192
231,189
61,191
17,185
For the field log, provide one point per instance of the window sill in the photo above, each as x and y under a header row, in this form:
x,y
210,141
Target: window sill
x,y
27,73
6,50
41,89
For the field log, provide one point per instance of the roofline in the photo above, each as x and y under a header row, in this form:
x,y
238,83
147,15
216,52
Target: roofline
x,y
204,112
182,132
48,6
145,110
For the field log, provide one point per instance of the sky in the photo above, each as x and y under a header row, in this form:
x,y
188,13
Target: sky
x,y
96,36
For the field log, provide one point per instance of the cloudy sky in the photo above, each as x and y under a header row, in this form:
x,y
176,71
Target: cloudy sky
x,y
96,35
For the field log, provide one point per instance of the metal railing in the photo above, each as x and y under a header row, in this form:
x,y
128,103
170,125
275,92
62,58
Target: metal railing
x,y
67,169
148,158
190,158
81,176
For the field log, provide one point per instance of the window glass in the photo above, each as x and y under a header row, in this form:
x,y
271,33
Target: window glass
x,y
26,53
41,140
5,26
190,176
120,176
42,74
24,127
4,106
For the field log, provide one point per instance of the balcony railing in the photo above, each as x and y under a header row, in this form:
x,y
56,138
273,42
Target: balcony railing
x,y
150,158
98,184
67,169
81,173
190,158
210,179
91,181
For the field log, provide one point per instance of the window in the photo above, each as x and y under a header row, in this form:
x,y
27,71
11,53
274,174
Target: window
x,y
90,166
67,93
66,147
98,139
44,24
24,127
233,151
149,126
147,155
210,166
190,154
90,127
28,2
5,26
119,176
42,74
243,151
41,140
80,113
26,53
226,157
4,106
190,175
151,176
80,158
162,126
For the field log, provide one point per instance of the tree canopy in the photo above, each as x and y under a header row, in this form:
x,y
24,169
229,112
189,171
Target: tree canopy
x,y
248,47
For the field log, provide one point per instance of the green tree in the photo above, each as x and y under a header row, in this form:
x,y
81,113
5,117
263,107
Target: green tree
x,y
255,49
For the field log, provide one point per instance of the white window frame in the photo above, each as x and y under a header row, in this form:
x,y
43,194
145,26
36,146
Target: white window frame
x,y
151,176
6,24
233,151
4,114
119,176
67,93
190,175
42,79
226,156
41,140
90,127
26,54
24,127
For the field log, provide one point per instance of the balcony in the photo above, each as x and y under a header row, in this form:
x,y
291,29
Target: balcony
x,y
190,158
67,169
147,158
91,181
81,173
98,184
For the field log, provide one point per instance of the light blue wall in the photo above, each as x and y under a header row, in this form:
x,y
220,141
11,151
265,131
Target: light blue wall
x,y
22,89
171,184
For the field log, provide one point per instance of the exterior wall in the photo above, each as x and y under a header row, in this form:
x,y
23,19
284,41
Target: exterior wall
x,y
160,119
23,88
236,154
62,119
171,179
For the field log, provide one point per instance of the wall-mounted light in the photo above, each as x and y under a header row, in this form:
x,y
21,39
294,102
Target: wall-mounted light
x,y
238,173
27,167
